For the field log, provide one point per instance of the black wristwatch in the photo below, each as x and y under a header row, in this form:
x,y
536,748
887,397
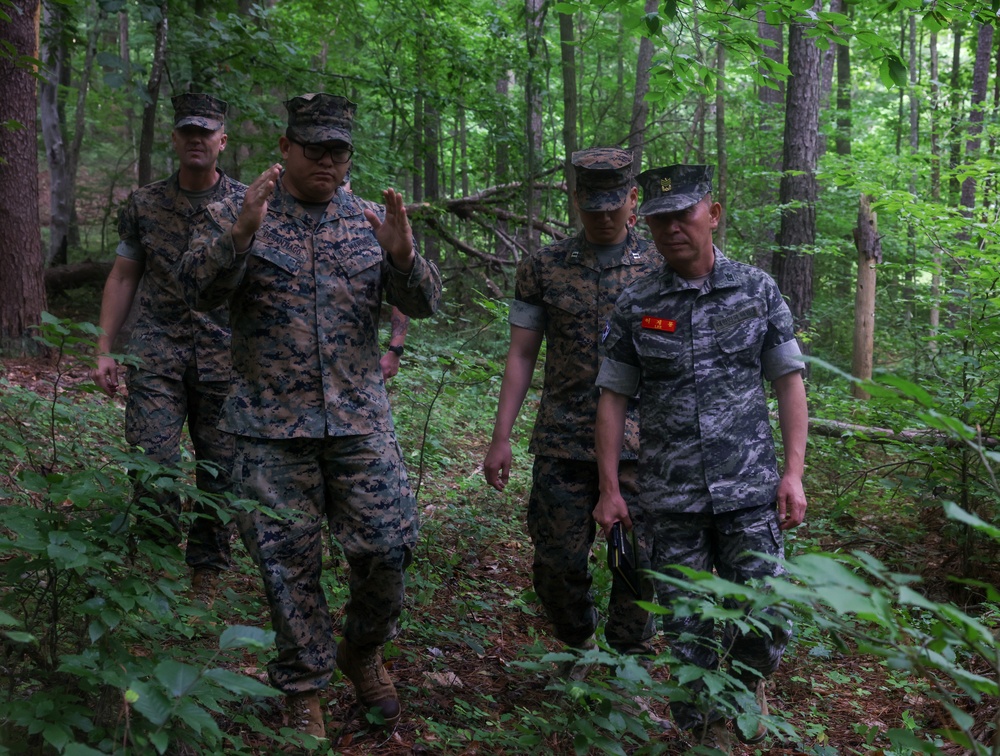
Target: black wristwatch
x,y
396,350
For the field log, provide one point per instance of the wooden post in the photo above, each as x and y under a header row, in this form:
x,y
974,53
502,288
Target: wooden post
x,y
869,246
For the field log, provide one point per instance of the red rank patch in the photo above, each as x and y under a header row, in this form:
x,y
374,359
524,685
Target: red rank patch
x,y
659,324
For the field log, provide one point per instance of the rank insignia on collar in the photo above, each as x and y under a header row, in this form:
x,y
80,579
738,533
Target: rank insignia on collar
x,y
659,324
666,185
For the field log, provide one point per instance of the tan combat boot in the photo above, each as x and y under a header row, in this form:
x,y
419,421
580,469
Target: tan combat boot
x,y
761,733
364,668
204,586
304,714
715,735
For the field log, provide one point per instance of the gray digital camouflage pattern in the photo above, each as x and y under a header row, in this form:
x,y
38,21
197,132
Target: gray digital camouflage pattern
x,y
700,358
185,362
563,290
707,466
575,295
315,431
724,542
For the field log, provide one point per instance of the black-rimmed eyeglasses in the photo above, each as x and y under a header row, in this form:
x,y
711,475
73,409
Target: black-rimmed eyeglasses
x,y
338,153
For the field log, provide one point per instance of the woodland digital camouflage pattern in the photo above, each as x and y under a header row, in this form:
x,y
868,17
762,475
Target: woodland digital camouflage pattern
x,y
199,109
603,178
690,540
576,296
560,521
185,362
564,291
360,487
305,316
168,335
706,441
312,414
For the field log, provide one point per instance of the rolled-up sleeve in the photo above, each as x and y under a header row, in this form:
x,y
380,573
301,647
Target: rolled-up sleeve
x,y
781,360
618,377
525,315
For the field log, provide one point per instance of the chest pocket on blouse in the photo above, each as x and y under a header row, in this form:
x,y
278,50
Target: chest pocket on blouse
x,y
565,301
663,355
278,258
740,335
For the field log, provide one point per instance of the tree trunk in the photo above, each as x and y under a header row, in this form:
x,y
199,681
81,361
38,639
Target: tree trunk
x,y
432,170
534,18
640,109
869,255
153,90
911,231
793,265
22,289
54,57
935,311
772,101
568,49
720,146
843,139
957,91
980,76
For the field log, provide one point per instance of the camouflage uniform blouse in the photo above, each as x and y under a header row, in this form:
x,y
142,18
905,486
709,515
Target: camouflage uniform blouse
x,y
168,335
700,357
565,292
305,301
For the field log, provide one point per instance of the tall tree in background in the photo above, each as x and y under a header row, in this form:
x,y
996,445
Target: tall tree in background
x,y
153,95
534,19
640,108
22,289
793,263
568,49
63,139
722,163
772,101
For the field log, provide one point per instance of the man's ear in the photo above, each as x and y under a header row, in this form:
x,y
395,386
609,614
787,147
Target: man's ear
x,y
715,213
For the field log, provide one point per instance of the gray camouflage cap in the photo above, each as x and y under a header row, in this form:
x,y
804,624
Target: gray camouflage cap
x,y
320,117
199,109
603,178
676,187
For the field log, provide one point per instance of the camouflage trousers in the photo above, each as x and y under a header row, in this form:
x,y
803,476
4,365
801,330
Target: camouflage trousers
x,y
564,493
155,412
706,541
358,485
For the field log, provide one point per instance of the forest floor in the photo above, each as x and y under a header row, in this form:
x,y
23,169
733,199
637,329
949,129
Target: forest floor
x,y
457,662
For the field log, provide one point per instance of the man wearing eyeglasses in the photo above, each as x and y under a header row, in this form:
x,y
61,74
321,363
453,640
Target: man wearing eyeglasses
x,y
304,265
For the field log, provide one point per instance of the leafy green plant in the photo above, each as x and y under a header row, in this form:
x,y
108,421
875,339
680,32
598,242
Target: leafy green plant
x,y
82,608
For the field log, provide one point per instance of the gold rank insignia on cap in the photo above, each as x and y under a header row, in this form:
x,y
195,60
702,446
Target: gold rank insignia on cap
x,y
666,185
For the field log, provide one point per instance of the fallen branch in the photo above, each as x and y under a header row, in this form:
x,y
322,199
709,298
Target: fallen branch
x,y
923,437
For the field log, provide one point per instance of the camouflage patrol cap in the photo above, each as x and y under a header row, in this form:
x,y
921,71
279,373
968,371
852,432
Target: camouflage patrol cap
x,y
199,109
676,187
320,117
603,178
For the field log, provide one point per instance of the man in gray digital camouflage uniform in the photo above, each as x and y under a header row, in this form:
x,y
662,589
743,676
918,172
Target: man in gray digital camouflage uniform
x,y
184,365
304,265
564,294
697,340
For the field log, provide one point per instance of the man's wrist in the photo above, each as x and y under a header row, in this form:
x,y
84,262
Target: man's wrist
x,y
397,349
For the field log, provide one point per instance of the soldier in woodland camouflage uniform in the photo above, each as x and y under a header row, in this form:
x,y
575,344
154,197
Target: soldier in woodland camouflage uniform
x,y
564,294
697,340
184,355
304,265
